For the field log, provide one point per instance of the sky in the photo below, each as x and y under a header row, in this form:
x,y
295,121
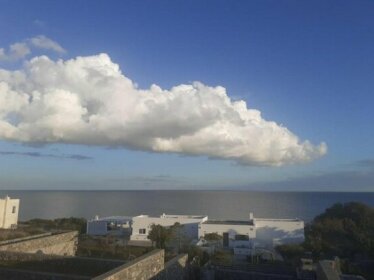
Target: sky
x,y
241,95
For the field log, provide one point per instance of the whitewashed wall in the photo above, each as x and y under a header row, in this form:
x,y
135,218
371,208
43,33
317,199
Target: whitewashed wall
x,y
271,232
190,225
231,229
7,217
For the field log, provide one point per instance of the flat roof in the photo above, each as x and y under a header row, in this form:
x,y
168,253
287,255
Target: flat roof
x,y
229,222
167,216
113,219
184,216
278,220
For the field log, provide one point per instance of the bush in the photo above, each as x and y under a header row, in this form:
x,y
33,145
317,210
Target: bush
x,y
71,223
291,251
197,255
344,230
212,236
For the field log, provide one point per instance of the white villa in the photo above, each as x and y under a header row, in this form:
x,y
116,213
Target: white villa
x,y
9,212
243,236
141,225
255,233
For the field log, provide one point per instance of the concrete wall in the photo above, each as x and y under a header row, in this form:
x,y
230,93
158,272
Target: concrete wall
x,y
142,268
190,225
63,244
175,269
9,212
271,232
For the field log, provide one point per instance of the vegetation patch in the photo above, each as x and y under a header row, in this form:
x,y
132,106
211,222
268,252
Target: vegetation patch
x,y
71,223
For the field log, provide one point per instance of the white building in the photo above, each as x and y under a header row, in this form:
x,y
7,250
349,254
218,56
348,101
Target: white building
x,y
243,236
272,232
109,225
141,225
238,235
9,212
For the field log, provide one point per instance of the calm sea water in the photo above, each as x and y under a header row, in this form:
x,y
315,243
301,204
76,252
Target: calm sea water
x,y
215,204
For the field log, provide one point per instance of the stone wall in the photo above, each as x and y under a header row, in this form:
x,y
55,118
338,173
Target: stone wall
x,y
63,244
175,269
142,268
10,241
246,275
22,266
16,274
249,272
11,262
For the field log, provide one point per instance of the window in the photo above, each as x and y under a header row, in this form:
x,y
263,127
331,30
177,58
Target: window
x,y
142,231
14,209
241,237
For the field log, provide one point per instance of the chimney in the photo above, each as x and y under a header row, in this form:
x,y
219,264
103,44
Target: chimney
x,y
250,216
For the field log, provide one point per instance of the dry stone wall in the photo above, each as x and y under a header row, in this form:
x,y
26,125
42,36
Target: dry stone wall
x,y
175,269
143,268
17,264
16,274
63,244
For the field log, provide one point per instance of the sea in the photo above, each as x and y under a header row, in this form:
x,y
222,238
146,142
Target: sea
x,y
215,204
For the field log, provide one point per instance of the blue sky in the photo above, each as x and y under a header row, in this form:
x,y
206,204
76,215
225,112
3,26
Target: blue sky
x,y
307,65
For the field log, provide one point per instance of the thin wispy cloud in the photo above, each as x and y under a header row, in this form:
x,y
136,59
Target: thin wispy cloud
x,y
43,155
368,163
16,51
39,23
21,50
150,182
42,42
359,177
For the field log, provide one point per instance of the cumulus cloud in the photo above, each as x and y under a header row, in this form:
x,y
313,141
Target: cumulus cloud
x,y
87,100
20,50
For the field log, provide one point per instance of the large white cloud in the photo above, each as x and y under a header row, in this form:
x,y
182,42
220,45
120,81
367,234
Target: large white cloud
x,y
87,100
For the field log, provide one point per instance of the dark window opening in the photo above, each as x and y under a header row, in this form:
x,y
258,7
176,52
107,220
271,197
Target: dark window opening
x,y
241,237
